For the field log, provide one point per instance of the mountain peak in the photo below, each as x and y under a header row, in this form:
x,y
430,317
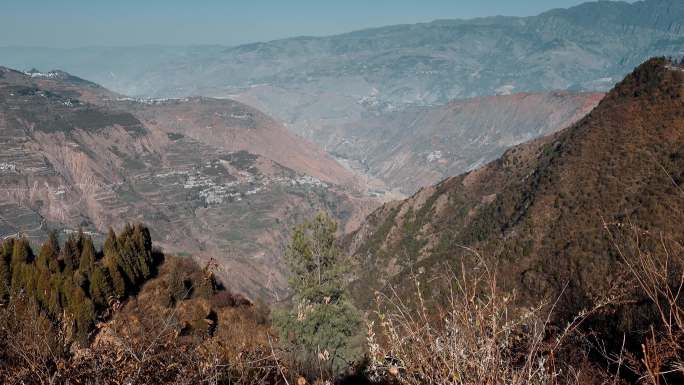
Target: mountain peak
x,y
656,77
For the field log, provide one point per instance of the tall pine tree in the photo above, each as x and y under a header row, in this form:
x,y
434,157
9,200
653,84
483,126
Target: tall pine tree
x,y
323,322
48,257
112,261
22,273
87,260
70,253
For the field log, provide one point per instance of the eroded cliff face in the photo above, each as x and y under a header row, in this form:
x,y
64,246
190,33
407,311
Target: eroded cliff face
x,y
203,174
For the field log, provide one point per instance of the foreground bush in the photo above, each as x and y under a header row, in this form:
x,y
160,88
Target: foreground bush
x,y
656,262
475,336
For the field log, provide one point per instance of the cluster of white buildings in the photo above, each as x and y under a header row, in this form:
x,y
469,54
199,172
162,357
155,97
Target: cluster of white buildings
x,y
153,101
434,156
47,75
8,167
245,185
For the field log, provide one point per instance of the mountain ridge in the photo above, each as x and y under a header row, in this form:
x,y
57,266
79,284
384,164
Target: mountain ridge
x,y
540,213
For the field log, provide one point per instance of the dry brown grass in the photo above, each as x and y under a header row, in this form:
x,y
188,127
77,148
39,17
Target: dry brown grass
x,y
478,336
656,262
32,347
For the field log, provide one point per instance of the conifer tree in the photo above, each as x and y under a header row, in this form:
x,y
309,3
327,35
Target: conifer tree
x,y
324,321
87,260
128,259
7,248
118,281
54,300
21,252
112,261
100,287
82,310
49,253
110,245
43,287
143,246
69,254
21,272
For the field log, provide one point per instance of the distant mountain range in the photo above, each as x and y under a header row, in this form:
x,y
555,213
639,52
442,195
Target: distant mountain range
x,y
588,47
321,86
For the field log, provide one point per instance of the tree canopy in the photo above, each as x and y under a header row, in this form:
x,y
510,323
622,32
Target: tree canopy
x,y
75,282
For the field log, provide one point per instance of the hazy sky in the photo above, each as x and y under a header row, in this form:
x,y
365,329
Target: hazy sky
x,y
74,23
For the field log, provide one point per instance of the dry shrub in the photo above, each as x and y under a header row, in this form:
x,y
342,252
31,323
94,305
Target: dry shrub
x,y
153,347
32,347
656,262
227,299
478,336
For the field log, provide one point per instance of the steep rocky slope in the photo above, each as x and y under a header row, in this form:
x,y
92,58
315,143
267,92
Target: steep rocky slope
x,y
540,213
204,174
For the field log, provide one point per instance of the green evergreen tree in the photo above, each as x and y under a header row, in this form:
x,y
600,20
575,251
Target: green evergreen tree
x,y
80,279
87,260
128,259
22,278
324,321
43,288
143,246
7,248
100,287
49,253
112,261
82,310
69,254
110,246
54,300
116,278
21,252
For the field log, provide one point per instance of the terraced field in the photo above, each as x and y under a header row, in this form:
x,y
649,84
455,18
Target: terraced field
x,y
205,175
